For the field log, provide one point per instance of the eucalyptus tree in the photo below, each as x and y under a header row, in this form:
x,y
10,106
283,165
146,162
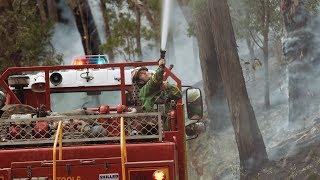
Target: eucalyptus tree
x,y
301,44
240,17
25,40
217,108
259,22
48,10
219,57
127,30
106,18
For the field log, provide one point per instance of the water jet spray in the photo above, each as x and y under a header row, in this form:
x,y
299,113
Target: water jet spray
x,y
166,5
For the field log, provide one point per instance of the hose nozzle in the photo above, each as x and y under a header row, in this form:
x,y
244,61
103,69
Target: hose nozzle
x,y
162,54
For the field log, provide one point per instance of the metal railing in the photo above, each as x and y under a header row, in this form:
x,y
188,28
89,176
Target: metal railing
x,y
84,129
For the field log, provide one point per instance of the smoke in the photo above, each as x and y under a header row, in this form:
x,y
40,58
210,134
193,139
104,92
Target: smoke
x,y
95,7
66,37
301,47
273,123
182,51
184,55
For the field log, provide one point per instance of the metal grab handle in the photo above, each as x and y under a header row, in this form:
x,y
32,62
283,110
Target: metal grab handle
x,y
123,149
54,160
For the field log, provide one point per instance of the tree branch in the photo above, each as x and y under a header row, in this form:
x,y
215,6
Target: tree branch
x,y
146,12
42,11
107,27
9,3
250,32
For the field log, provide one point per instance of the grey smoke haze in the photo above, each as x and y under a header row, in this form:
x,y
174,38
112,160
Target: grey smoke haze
x,y
218,154
186,66
98,19
66,38
304,43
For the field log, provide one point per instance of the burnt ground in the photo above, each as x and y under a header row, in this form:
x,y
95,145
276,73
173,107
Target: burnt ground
x,y
293,154
302,163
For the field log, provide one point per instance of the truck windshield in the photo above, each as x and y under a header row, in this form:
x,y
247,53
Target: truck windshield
x,y
63,102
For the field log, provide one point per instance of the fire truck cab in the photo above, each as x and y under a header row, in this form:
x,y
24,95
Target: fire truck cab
x,y
83,122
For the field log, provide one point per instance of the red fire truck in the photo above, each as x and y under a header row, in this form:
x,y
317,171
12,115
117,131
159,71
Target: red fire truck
x,y
82,122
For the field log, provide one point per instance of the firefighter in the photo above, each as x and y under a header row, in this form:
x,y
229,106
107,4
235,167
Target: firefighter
x,y
153,88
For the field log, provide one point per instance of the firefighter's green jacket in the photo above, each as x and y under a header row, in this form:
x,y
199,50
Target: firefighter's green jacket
x,y
151,91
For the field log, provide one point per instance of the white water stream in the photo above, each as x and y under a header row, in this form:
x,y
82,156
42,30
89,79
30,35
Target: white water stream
x,y
66,37
165,22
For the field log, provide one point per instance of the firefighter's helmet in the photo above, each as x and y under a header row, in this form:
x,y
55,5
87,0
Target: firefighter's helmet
x,y
135,73
193,95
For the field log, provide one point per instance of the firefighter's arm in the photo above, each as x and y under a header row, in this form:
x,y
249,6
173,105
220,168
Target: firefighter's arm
x,y
155,80
173,92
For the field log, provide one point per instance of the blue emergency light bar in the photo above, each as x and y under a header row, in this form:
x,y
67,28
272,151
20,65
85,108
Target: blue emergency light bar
x,y
90,60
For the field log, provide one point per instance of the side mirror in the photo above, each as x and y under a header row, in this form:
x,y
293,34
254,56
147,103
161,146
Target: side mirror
x,y
194,104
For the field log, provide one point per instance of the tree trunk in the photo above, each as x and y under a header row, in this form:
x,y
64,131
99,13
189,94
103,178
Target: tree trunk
x,y
16,58
52,10
218,113
266,20
266,76
195,49
138,31
8,3
84,22
250,48
250,44
42,11
142,5
86,26
216,103
250,143
218,41
108,29
302,57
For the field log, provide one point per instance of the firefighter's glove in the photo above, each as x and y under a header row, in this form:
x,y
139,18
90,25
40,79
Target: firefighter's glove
x,y
162,63
164,86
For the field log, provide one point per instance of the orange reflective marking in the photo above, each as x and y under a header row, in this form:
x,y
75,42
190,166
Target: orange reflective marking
x,y
69,178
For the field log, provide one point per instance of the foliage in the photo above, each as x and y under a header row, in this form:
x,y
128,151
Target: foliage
x,y
198,8
248,18
238,12
25,41
124,30
312,5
